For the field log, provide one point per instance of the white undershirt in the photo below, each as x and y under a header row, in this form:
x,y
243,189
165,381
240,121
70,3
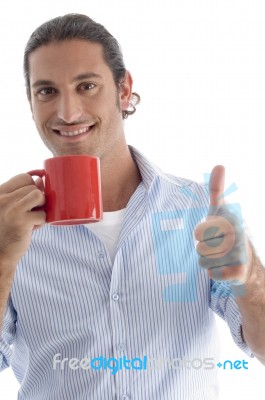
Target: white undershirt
x,y
108,229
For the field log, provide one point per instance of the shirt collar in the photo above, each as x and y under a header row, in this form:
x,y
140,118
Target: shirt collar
x,y
148,170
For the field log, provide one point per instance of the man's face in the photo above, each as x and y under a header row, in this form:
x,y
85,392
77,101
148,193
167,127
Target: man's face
x,y
75,103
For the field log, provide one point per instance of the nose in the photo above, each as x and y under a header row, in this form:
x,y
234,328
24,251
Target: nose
x,y
70,108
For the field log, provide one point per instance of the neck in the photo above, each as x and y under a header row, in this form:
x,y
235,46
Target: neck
x,y
120,177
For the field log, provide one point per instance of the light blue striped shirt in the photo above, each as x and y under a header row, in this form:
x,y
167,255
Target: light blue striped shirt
x,y
151,311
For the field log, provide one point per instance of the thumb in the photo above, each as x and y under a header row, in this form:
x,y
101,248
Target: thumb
x,y
217,185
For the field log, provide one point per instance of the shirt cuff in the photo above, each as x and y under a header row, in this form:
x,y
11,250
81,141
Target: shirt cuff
x,y
224,304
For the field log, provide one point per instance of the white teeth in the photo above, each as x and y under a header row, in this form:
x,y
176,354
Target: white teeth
x,y
75,133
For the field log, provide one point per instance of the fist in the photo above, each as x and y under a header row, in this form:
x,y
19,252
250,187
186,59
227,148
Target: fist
x,y
18,198
222,244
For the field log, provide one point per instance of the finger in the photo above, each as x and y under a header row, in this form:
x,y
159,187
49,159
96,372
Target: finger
x,y
217,185
15,183
10,199
37,218
216,247
33,199
228,253
224,273
213,226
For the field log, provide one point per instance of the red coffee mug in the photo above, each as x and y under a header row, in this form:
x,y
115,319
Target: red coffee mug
x,y
72,189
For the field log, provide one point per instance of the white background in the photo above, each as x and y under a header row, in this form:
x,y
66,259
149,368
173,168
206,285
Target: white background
x,y
200,69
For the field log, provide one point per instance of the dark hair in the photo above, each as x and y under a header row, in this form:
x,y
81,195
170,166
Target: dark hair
x,y
79,26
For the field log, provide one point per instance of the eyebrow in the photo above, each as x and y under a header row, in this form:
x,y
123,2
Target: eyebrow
x,y
80,77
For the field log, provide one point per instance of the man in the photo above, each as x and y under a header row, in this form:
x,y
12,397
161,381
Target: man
x,y
130,316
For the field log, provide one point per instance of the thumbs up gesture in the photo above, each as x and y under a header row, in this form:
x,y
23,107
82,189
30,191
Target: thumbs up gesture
x,y
222,244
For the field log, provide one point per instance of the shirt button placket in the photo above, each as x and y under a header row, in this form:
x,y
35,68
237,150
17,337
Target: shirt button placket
x,y
122,380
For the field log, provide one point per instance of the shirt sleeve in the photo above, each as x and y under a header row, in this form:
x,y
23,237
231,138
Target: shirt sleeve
x,y
224,304
7,335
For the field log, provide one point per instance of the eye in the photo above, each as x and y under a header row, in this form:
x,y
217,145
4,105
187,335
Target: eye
x,y
45,93
87,86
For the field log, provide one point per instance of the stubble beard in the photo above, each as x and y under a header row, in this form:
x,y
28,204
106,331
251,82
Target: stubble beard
x,y
106,141
97,146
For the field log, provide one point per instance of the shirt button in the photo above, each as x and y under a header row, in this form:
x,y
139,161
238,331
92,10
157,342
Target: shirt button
x,y
101,254
115,297
125,397
121,346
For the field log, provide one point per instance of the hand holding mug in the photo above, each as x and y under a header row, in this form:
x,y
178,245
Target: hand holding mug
x,y
18,197
72,189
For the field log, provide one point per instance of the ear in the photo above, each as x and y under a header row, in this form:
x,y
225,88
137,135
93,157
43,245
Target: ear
x,y
126,91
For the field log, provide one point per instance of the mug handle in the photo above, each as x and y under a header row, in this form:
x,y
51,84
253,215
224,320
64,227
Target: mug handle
x,y
37,172
40,173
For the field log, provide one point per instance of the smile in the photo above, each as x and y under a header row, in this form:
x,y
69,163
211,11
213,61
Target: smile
x,y
74,133
71,133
